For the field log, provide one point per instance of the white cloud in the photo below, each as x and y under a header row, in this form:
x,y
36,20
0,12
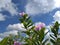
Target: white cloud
x,y
17,26
57,17
57,3
2,17
9,6
2,35
5,34
39,6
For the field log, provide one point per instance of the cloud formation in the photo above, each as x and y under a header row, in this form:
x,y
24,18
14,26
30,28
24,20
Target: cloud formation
x,y
2,17
5,34
57,3
14,32
12,29
9,6
39,6
57,17
17,26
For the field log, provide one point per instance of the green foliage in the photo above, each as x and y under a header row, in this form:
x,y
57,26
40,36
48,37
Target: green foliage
x,y
54,36
4,41
7,41
34,37
10,40
55,29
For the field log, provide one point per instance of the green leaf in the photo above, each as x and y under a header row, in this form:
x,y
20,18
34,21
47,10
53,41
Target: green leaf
x,y
48,44
41,34
47,32
52,37
58,39
30,24
55,29
45,41
52,41
25,16
28,18
4,41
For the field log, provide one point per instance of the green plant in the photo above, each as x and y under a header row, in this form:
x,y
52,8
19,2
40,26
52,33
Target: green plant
x,y
35,34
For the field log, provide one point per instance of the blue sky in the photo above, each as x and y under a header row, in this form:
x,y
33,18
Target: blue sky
x,y
11,19
46,11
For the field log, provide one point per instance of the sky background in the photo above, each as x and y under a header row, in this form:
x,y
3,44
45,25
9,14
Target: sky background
x,y
46,11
